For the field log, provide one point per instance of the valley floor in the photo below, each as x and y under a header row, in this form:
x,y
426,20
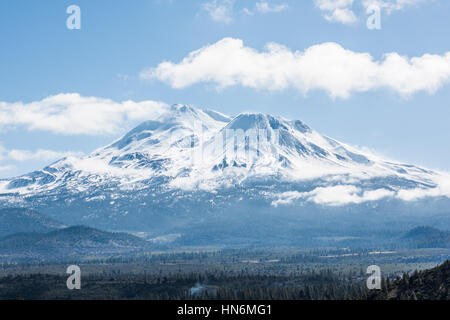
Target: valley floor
x,y
286,273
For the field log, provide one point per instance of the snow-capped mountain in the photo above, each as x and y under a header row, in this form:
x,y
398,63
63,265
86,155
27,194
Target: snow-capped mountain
x,y
189,165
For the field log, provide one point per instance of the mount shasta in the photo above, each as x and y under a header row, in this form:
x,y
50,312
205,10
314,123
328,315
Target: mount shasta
x,y
193,176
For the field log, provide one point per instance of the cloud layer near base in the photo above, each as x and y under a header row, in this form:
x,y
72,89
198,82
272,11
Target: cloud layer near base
x,y
71,114
349,194
327,66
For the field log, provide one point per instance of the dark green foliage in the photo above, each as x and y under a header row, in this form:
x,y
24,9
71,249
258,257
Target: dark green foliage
x,y
318,274
433,284
69,243
14,220
314,286
427,237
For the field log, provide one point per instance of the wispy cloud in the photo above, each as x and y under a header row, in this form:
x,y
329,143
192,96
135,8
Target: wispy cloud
x,y
337,10
340,195
266,7
223,10
392,5
40,154
72,114
327,66
20,155
6,169
333,196
220,10
10,158
343,11
343,15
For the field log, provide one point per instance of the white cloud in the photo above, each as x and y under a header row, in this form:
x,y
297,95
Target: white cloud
x,y
4,169
342,10
330,5
265,7
327,66
247,12
73,114
287,198
337,10
392,5
350,194
2,151
333,196
20,155
220,10
40,154
442,189
345,16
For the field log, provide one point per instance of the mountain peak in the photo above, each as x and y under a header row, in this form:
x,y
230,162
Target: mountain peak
x,y
254,120
178,122
251,120
182,146
183,108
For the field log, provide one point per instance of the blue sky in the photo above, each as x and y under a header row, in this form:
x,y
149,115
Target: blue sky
x,y
120,40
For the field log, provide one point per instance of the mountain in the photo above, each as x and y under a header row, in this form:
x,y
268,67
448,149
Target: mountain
x,y
69,243
433,284
427,237
15,220
251,179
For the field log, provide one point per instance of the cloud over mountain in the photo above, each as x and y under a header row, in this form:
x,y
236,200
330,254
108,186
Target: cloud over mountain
x,y
73,114
328,66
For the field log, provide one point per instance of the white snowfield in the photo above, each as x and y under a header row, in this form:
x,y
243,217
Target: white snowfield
x,y
191,149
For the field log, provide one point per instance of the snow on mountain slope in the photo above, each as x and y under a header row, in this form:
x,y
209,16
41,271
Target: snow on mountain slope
x,y
193,150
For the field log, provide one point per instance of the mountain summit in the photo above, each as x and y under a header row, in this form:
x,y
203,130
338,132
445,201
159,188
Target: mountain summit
x,y
188,166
